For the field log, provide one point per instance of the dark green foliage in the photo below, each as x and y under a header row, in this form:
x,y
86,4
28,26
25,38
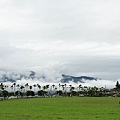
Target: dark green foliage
x,y
117,85
41,92
18,93
59,92
5,93
30,93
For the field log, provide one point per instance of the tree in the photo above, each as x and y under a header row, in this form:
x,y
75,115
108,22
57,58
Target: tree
x,y
34,86
39,86
17,93
71,90
117,85
30,88
59,92
30,93
59,86
5,93
21,88
2,86
18,90
14,87
117,88
52,89
79,87
41,93
26,86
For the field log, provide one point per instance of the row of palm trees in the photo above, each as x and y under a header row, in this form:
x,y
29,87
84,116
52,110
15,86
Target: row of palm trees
x,y
54,90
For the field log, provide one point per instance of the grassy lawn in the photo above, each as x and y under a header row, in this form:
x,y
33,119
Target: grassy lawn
x,y
74,108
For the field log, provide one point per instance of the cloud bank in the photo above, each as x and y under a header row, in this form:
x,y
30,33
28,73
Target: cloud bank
x,y
61,36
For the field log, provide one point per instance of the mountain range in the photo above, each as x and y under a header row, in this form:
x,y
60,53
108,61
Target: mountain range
x,y
67,79
13,77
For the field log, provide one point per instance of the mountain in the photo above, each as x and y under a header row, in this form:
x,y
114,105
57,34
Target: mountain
x,y
13,77
67,79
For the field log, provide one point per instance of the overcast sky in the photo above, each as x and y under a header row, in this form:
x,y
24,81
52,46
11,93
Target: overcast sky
x,y
75,37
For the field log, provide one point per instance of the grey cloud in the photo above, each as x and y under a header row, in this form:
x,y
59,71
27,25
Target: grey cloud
x,y
82,36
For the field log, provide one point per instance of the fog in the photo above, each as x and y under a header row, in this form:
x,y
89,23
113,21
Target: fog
x,y
55,37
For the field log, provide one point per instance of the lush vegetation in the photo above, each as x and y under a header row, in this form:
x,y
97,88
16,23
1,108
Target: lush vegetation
x,y
57,91
66,108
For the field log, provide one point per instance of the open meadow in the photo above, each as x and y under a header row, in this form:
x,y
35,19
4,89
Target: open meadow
x,y
66,108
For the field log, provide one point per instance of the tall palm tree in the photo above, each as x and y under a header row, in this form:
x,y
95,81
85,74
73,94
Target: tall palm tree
x,y
59,86
80,88
5,87
11,87
59,89
47,86
44,90
65,88
53,86
70,90
26,87
21,88
1,86
30,88
39,86
34,86
14,87
18,89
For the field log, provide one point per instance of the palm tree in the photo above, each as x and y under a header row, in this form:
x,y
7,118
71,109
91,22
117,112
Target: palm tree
x,y
2,88
71,90
44,88
80,87
65,88
30,88
11,87
14,87
39,86
47,89
26,86
47,86
18,88
53,86
34,86
58,90
52,89
21,88
59,86
55,91
85,90
5,86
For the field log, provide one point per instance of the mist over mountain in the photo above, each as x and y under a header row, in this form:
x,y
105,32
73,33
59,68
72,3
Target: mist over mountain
x,y
32,77
13,77
81,79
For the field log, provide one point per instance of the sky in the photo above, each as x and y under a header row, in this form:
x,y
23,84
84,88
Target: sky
x,y
73,37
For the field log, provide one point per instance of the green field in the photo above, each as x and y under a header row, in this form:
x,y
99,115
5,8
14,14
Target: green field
x,y
66,108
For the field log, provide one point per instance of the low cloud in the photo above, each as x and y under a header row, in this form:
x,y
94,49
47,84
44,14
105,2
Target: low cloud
x,y
49,79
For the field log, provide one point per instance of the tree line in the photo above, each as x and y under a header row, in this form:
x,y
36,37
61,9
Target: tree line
x,y
21,91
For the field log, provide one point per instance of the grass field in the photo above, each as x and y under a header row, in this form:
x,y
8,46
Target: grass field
x,y
74,108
